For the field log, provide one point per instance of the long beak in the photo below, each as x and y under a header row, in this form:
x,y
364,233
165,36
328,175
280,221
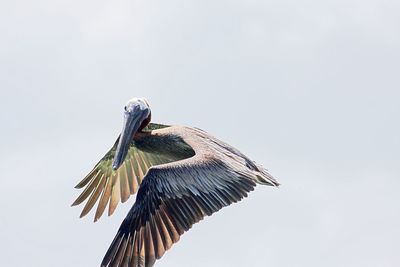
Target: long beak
x,y
132,122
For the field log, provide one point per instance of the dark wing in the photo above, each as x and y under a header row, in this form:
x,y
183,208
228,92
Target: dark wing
x,y
107,186
170,200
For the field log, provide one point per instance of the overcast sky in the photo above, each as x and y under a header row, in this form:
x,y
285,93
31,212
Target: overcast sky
x,y
309,89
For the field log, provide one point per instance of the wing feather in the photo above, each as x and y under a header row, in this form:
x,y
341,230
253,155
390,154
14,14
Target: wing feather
x,y
93,198
105,197
115,195
173,197
106,186
125,190
88,190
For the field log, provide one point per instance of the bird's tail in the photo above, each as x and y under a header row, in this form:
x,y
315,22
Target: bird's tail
x,y
265,178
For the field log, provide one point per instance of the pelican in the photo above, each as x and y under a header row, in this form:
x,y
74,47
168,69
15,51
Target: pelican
x,y
180,174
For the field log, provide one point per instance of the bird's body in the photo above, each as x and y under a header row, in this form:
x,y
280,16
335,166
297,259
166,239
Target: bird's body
x,y
181,174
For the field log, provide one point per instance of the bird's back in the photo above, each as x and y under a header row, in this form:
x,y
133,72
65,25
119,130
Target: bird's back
x,y
206,146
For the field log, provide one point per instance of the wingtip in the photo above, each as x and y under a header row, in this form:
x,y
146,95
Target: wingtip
x,y
84,213
85,181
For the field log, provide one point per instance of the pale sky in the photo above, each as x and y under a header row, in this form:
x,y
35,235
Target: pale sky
x,y
308,89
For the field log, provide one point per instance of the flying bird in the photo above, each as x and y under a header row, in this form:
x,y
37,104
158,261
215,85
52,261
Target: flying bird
x,y
180,174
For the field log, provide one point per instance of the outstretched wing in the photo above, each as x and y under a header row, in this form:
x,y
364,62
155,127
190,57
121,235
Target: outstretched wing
x,y
170,200
107,186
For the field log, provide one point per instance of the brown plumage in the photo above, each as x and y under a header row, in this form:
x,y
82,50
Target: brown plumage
x,y
181,174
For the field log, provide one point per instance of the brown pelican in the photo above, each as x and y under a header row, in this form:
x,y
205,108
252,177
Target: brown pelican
x,y
181,174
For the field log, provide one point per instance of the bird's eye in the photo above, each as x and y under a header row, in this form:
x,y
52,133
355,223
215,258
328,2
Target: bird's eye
x,y
125,108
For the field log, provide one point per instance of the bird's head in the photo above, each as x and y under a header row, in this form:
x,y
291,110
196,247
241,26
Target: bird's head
x,y
137,115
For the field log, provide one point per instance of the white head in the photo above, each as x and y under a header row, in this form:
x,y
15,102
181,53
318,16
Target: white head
x,y
137,115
